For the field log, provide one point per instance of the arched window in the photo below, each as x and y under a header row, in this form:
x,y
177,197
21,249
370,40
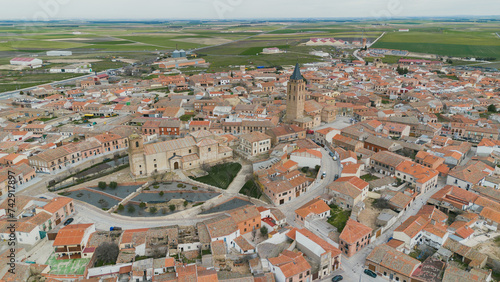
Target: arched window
x,y
137,144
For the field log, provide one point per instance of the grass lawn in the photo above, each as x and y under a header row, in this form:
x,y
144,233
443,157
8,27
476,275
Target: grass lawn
x,y
220,175
251,189
338,217
369,177
67,266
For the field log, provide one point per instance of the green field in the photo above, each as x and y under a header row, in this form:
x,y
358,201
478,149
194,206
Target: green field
x,y
445,43
220,175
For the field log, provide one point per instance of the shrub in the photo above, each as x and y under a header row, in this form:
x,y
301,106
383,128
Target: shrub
x,y
172,207
113,185
102,185
153,210
161,193
142,205
121,207
180,185
185,203
164,210
156,186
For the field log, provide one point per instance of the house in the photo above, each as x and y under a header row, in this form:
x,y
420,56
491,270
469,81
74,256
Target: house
x,y
347,143
347,192
354,237
391,264
243,246
385,162
246,218
286,133
466,176
326,257
396,130
72,239
315,207
223,228
325,135
428,159
377,144
421,177
490,218
254,144
59,208
453,198
290,267
488,146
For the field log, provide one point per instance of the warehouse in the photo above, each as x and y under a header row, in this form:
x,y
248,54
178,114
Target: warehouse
x,y
31,62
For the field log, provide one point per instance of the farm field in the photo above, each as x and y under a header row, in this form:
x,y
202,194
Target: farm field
x,y
480,44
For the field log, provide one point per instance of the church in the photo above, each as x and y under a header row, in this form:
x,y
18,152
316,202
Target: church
x,y
296,100
199,147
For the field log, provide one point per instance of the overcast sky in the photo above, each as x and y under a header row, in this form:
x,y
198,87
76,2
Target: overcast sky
x,y
236,9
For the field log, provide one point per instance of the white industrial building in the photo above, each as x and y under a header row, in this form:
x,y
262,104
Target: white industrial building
x,y
59,53
75,68
28,62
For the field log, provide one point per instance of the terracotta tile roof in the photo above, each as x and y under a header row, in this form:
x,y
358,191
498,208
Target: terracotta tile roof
x,y
412,226
221,226
71,234
421,173
493,215
315,206
354,231
290,263
243,243
393,260
355,181
56,204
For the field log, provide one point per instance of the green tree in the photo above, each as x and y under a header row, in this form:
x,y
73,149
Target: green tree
x,y
185,203
172,207
153,210
120,207
142,205
492,108
113,185
130,208
102,185
161,193
263,231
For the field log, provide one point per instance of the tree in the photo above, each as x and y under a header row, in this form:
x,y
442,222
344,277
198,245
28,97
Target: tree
x,y
107,253
113,185
120,207
185,203
102,185
142,205
172,207
130,208
381,203
161,193
263,231
492,108
153,210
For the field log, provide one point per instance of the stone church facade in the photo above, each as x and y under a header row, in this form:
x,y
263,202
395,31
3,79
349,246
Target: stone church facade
x,y
190,152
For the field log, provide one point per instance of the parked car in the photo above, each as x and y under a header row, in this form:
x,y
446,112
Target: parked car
x,y
115,228
331,154
370,273
337,278
336,176
68,221
309,131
